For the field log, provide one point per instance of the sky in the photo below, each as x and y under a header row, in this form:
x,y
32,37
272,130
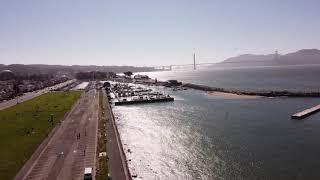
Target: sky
x,y
152,32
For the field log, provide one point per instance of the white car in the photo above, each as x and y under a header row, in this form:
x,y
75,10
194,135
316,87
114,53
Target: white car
x,y
87,173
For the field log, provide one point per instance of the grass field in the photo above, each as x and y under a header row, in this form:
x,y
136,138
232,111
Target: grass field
x,y
24,126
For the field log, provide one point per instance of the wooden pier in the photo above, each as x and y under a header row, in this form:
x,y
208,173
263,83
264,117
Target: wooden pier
x,y
306,112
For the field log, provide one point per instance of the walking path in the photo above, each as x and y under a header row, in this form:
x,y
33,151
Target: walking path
x,y
117,161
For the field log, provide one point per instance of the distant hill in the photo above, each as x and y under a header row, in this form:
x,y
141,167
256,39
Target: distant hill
x,y
301,57
52,69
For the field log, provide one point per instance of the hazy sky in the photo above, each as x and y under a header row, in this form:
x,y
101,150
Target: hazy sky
x,y
152,32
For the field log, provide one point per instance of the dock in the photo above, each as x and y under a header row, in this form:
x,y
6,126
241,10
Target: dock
x,y
166,99
306,112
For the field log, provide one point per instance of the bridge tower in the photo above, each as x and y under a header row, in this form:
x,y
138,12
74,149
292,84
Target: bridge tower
x,y
276,56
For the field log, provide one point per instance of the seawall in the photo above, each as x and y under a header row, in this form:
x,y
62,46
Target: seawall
x,y
117,163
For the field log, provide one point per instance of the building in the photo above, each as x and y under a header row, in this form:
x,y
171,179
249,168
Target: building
x,y
138,76
6,75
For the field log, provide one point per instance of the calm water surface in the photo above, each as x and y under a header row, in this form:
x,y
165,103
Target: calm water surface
x,y
296,78
201,137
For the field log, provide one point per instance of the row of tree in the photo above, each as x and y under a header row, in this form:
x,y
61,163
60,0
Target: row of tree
x,y
4,76
95,75
72,70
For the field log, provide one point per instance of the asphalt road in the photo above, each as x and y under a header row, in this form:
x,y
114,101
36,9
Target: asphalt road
x,y
65,156
30,95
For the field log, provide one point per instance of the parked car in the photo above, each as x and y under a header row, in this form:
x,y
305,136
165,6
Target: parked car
x,y
87,173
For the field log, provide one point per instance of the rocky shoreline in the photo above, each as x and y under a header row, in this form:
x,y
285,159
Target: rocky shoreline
x,y
253,93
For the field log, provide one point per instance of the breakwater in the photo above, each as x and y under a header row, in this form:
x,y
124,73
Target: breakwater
x,y
138,101
253,93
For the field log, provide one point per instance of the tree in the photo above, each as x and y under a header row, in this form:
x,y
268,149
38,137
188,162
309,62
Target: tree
x,y
128,73
112,75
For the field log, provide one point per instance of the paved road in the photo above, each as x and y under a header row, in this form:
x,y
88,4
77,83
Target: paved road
x,y
118,168
64,157
30,95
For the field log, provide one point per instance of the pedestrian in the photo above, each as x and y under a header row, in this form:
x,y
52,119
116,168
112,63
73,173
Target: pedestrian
x,y
84,152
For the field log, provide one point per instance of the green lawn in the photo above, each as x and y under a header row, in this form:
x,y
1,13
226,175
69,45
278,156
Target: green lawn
x,y
24,126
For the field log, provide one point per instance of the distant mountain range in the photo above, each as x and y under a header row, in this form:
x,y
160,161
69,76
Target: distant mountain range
x,y
52,69
301,57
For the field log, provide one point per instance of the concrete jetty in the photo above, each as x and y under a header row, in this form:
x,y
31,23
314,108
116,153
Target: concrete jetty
x,y
138,101
306,112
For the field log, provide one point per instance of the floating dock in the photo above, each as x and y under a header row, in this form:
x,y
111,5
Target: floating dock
x,y
306,112
167,99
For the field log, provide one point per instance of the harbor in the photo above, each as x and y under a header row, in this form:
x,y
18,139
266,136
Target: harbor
x,y
193,124
181,85
127,94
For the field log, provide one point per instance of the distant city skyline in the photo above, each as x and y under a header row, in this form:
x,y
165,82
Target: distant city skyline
x,y
152,33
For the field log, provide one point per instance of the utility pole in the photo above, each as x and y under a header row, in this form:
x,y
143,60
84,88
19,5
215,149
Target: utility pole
x,y
194,61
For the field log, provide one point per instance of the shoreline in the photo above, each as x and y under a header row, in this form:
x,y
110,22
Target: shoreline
x,y
117,163
225,95
228,92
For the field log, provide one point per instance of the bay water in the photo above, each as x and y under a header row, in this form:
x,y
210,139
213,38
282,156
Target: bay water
x,y
203,137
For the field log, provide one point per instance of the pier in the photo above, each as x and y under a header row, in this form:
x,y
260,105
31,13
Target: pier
x,y
165,99
306,112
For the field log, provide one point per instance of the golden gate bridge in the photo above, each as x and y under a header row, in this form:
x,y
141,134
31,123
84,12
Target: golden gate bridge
x,y
194,65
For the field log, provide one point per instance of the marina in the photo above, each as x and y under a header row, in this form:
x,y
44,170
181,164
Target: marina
x,y
126,94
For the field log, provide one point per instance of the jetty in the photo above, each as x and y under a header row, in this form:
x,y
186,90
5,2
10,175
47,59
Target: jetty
x,y
306,112
266,93
138,101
